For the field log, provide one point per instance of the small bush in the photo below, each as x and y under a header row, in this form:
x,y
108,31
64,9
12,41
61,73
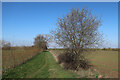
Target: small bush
x,y
72,61
66,57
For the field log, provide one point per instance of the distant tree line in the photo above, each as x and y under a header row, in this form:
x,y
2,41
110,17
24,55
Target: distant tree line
x,y
40,41
5,44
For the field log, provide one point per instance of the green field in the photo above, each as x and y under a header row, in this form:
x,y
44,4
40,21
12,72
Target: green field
x,y
41,66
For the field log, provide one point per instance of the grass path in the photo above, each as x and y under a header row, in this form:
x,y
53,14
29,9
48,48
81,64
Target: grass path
x,y
41,66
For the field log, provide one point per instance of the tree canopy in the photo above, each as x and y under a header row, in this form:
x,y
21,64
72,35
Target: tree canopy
x,y
78,30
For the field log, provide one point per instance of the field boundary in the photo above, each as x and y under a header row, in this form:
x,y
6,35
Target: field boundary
x,y
22,62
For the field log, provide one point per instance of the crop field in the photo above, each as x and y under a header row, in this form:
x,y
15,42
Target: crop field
x,y
14,57
104,61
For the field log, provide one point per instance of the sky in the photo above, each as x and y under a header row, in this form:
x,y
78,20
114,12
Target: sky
x,y
23,21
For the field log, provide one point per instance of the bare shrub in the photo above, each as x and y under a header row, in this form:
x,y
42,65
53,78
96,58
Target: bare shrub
x,y
71,62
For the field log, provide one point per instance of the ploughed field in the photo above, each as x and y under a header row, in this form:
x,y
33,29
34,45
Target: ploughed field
x,y
105,62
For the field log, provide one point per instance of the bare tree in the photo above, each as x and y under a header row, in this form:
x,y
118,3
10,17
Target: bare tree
x,y
41,41
78,30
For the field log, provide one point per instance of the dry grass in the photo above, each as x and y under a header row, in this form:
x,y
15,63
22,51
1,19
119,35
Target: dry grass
x,y
16,56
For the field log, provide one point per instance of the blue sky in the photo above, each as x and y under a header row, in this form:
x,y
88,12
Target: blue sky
x,y
23,21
